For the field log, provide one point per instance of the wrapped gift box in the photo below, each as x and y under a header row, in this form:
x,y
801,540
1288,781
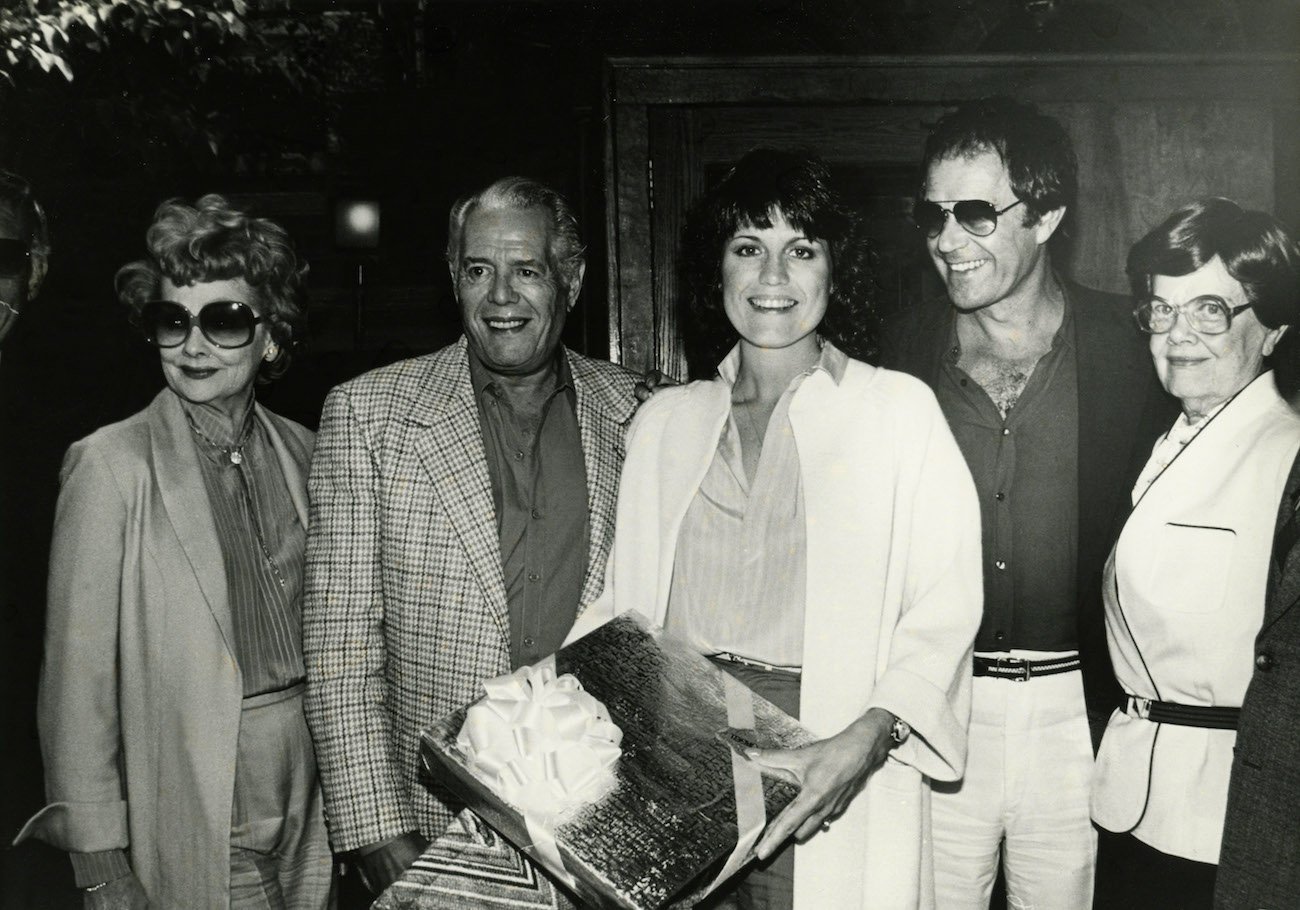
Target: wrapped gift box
x,y
670,820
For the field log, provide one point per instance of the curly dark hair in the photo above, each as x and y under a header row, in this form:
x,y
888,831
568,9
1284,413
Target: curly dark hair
x,y
798,186
212,241
1035,148
1254,246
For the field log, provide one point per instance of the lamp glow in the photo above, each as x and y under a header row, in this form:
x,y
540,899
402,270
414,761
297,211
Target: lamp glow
x,y
356,224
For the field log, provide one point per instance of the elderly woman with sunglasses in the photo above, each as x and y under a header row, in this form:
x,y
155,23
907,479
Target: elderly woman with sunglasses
x,y
178,765
1185,584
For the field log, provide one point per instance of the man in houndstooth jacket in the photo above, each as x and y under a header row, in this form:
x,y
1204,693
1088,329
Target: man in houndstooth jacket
x,y
461,513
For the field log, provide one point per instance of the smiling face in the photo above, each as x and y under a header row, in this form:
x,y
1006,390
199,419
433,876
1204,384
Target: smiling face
x,y
1203,371
776,284
198,370
983,271
512,301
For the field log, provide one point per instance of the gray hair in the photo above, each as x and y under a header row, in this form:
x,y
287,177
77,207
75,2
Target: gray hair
x,y
565,249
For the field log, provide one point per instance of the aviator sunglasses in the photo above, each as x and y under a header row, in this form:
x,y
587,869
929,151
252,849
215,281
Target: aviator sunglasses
x,y
14,256
976,216
226,323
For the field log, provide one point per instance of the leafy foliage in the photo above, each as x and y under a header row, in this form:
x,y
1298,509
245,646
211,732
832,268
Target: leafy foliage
x,y
119,87
53,35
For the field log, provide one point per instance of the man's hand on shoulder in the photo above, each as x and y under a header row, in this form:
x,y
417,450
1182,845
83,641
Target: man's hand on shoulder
x,y
652,382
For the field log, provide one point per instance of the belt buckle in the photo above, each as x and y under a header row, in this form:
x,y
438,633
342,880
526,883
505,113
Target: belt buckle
x,y
1015,669
1141,707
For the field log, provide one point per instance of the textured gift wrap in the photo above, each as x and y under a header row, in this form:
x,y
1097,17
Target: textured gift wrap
x,y
669,823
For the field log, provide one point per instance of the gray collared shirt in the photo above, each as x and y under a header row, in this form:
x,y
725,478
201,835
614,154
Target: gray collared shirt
x,y
1026,472
539,492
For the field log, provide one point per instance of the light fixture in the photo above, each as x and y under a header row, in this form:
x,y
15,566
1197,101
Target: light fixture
x,y
356,223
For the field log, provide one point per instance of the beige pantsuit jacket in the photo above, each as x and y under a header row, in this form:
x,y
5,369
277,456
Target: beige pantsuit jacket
x,y
140,693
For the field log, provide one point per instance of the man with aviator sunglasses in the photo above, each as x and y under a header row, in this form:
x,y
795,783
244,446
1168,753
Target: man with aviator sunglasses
x,y
24,248
1051,396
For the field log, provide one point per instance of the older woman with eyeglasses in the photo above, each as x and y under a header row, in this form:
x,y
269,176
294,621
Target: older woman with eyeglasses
x,y
178,765
1186,581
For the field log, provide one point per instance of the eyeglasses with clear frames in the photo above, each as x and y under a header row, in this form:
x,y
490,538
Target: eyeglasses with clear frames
x,y
1208,315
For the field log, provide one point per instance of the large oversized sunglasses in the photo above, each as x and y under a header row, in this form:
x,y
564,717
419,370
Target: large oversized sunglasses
x,y
1208,315
976,216
14,256
226,323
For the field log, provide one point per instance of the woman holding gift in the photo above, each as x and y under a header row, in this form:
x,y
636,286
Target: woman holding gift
x,y
178,765
808,521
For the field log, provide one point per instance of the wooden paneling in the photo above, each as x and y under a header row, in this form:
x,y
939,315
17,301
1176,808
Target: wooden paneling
x,y
880,132
1138,162
840,80
1151,133
676,183
631,321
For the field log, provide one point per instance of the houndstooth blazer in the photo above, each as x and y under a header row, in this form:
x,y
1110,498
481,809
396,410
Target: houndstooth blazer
x,y
404,608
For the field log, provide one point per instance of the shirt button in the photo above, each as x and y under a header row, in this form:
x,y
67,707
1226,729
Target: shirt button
x,y
1264,661
999,496
528,641
534,576
999,636
519,456
1006,431
964,383
537,513
1001,565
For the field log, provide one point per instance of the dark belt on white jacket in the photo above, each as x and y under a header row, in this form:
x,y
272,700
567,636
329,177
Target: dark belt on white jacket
x,y
1168,712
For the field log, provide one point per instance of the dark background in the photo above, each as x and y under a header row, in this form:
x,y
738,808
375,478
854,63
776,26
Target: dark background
x,y
411,106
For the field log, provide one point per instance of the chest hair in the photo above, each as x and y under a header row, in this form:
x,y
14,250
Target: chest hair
x,y
1003,379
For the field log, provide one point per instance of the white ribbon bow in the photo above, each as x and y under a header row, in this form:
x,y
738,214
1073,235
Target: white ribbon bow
x,y
543,743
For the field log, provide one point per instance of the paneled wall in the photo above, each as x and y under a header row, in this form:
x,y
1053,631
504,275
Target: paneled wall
x,y
1150,133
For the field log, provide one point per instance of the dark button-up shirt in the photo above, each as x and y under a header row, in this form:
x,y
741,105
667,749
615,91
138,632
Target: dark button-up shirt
x,y
262,544
1026,473
539,491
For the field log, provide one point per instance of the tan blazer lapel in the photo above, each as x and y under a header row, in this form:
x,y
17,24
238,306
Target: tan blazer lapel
x,y
293,460
176,469
449,445
603,415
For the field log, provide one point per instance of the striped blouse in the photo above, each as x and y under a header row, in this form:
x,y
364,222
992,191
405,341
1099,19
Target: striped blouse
x,y
262,543
740,569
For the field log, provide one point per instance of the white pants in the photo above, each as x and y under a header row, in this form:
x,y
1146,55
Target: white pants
x,y
1028,775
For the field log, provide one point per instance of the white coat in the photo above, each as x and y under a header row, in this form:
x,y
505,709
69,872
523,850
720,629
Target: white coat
x,y
893,601
1184,591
